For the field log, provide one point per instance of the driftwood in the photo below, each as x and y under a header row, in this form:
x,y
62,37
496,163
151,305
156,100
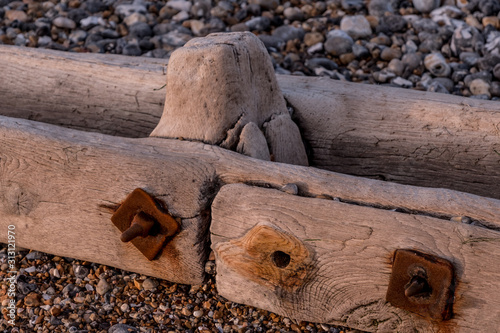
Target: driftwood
x,y
321,254
216,86
59,184
406,136
340,260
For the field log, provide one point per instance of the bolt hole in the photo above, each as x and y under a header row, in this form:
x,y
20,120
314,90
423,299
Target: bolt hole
x,y
280,259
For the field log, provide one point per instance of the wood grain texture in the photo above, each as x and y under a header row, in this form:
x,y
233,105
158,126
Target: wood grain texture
x,y
405,136
344,253
116,95
56,185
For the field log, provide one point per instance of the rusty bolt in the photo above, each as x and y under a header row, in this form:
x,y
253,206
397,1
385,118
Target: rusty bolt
x,y
423,284
145,222
141,224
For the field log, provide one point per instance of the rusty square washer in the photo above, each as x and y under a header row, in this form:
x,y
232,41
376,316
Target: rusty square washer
x,y
428,281
165,226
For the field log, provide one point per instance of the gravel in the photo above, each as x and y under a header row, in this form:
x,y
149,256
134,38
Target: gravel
x,y
448,46
108,300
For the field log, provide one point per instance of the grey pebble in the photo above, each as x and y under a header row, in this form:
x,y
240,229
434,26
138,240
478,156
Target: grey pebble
x,y
272,42
412,60
321,62
351,5
103,287
34,255
396,66
426,6
379,7
495,89
290,189
64,23
293,14
400,82
338,42
122,328
140,30
259,23
437,87
360,51
288,32
356,26
149,284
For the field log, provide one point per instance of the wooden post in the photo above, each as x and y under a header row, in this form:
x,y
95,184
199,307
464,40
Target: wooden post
x,y
216,86
326,261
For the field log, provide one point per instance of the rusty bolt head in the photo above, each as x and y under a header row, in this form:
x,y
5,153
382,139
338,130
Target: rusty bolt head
x,y
145,223
423,284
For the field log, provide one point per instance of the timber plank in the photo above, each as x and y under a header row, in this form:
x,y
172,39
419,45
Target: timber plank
x,y
56,186
54,182
399,135
116,95
405,136
340,260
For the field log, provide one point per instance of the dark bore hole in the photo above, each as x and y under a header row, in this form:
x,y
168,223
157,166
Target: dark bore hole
x,y
280,259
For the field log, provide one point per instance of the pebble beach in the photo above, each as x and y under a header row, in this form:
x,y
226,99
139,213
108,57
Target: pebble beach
x,y
439,46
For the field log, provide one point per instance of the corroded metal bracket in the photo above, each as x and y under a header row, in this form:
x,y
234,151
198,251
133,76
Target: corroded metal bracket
x,y
423,284
145,222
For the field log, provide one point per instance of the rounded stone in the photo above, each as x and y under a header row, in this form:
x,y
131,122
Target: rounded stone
x,y
356,26
480,87
338,43
496,71
64,23
390,53
379,7
436,64
259,23
426,6
396,66
149,284
103,287
288,32
140,30
495,89
293,14
312,38
132,49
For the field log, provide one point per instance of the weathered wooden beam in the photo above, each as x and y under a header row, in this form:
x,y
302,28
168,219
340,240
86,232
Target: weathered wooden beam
x,y
116,95
399,135
339,260
56,184
406,136
59,187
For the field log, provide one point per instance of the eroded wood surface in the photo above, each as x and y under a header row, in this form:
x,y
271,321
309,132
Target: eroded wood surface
x,y
116,95
340,260
400,135
57,186
406,136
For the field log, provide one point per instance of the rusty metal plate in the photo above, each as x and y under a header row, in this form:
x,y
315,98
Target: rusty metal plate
x,y
423,284
163,229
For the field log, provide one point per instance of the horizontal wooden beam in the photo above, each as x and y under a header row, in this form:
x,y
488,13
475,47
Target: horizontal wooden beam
x,y
116,95
400,135
336,261
405,136
57,185
59,188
